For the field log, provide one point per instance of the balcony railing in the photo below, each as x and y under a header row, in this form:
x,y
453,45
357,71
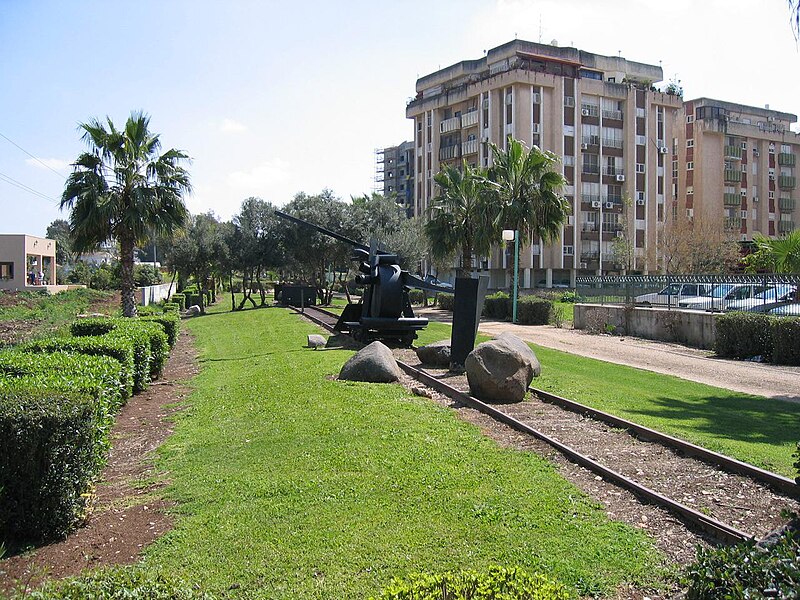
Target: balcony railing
x,y
733,152
612,143
615,199
733,222
614,171
612,114
448,152
469,147
469,119
590,255
786,182
591,140
785,226
733,175
729,199
450,124
590,197
786,204
786,159
589,226
612,227
591,169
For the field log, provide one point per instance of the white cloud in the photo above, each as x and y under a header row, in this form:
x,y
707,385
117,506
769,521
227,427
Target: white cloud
x,y
48,163
268,174
232,126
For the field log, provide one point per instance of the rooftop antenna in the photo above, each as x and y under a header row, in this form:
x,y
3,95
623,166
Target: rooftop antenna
x,y
540,27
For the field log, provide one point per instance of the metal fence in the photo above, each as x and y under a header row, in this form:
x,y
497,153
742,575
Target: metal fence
x,y
669,291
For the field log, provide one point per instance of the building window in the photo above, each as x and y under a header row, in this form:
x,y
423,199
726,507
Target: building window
x,y
771,195
6,270
640,167
690,143
690,190
568,250
690,166
690,118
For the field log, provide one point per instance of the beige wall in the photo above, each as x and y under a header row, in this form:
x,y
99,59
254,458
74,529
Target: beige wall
x,y
20,250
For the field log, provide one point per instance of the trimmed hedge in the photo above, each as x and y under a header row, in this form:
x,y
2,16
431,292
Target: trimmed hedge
x,y
170,307
53,442
499,582
532,310
497,306
743,335
178,299
170,322
445,301
786,340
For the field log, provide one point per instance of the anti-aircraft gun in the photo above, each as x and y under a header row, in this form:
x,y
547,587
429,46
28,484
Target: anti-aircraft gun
x,y
384,312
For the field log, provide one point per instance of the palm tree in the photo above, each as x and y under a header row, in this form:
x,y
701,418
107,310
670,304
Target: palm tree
x,y
123,190
460,218
527,190
779,255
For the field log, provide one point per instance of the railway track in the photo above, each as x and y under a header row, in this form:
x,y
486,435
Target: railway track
x,y
584,452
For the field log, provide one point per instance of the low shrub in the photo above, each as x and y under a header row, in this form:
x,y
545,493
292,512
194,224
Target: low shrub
x,y
445,301
747,570
743,335
171,323
170,307
149,310
178,299
53,443
532,310
570,296
158,341
416,296
499,582
497,306
786,340
125,583
91,327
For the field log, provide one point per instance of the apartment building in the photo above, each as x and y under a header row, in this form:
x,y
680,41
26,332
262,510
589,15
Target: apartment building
x,y
394,174
600,113
734,167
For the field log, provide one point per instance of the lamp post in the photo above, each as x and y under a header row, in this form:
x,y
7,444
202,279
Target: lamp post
x,y
508,235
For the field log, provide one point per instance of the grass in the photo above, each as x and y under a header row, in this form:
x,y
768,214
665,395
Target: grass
x,y
292,485
760,431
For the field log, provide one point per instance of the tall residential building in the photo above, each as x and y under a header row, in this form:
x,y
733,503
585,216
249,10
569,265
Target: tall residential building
x,y
734,167
394,174
600,113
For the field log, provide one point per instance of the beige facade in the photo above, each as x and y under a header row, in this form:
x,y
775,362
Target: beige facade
x,y
27,262
601,114
735,167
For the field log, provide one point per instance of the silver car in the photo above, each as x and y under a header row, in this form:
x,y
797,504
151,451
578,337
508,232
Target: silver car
x,y
772,297
722,295
786,310
674,293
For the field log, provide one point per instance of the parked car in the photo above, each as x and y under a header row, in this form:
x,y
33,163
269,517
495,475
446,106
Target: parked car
x,y
772,297
722,295
786,310
674,293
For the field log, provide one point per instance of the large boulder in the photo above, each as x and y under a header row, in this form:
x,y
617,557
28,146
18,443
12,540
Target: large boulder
x,y
501,370
436,354
315,341
373,363
193,311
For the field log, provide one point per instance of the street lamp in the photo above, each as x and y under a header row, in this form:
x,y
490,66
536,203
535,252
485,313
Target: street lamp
x,y
508,235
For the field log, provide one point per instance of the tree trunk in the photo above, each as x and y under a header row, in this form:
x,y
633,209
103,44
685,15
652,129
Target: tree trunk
x,y
233,295
126,264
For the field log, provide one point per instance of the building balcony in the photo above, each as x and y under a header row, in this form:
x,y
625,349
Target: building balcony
x,y
469,119
590,140
591,169
733,222
450,125
612,227
733,175
785,226
469,147
590,256
786,204
590,110
786,182
613,114
613,171
448,152
734,152
612,143
588,226
590,198
732,199
614,199
786,159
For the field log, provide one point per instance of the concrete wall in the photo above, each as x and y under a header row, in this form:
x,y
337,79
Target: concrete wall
x,y
690,327
20,249
154,293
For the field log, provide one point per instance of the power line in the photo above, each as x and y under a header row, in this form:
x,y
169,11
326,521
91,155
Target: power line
x,y
22,186
45,165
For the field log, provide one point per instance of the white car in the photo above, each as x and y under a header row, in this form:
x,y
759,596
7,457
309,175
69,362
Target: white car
x,y
722,295
772,297
674,293
786,310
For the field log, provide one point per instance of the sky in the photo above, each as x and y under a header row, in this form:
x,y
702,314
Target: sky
x,y
273,98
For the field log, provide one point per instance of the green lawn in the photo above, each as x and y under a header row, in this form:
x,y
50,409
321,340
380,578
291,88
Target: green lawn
x,y
757,430
291,485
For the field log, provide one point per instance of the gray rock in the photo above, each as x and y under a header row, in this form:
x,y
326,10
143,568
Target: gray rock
x,y
373,363
192,311
315,341
501,370
436,354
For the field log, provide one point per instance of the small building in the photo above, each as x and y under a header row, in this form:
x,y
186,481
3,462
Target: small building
x,y
27,262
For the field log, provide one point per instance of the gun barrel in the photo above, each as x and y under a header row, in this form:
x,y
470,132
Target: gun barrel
x,y
323,230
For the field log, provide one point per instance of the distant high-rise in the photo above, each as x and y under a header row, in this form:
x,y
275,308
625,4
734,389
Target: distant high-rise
x,y
394,174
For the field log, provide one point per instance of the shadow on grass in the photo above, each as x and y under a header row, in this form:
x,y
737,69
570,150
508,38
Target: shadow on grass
x,y
743,419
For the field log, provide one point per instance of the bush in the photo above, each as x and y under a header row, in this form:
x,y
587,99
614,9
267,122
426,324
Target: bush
x,y
532,310
126,583
93,326
170,321
796,455
170,307
500,582
52,442
445,301
786,340
179,299
743,335
416,296
570,296
497,306
747,571
158,344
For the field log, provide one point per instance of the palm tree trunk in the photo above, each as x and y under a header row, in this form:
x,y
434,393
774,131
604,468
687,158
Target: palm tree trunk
x,y
128,289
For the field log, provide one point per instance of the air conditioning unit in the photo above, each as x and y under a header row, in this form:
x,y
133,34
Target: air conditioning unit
x,y
595,204
584,112
536,128
609,205
756,153
640,203
583,265
536,98
620,178
620,234
571,220
640,195
662,149
755,199
584,146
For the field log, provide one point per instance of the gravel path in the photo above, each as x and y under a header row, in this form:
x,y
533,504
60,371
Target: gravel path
x,y
771,381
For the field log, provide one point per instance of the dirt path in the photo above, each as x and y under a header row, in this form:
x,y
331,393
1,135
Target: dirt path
x,y
771,381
